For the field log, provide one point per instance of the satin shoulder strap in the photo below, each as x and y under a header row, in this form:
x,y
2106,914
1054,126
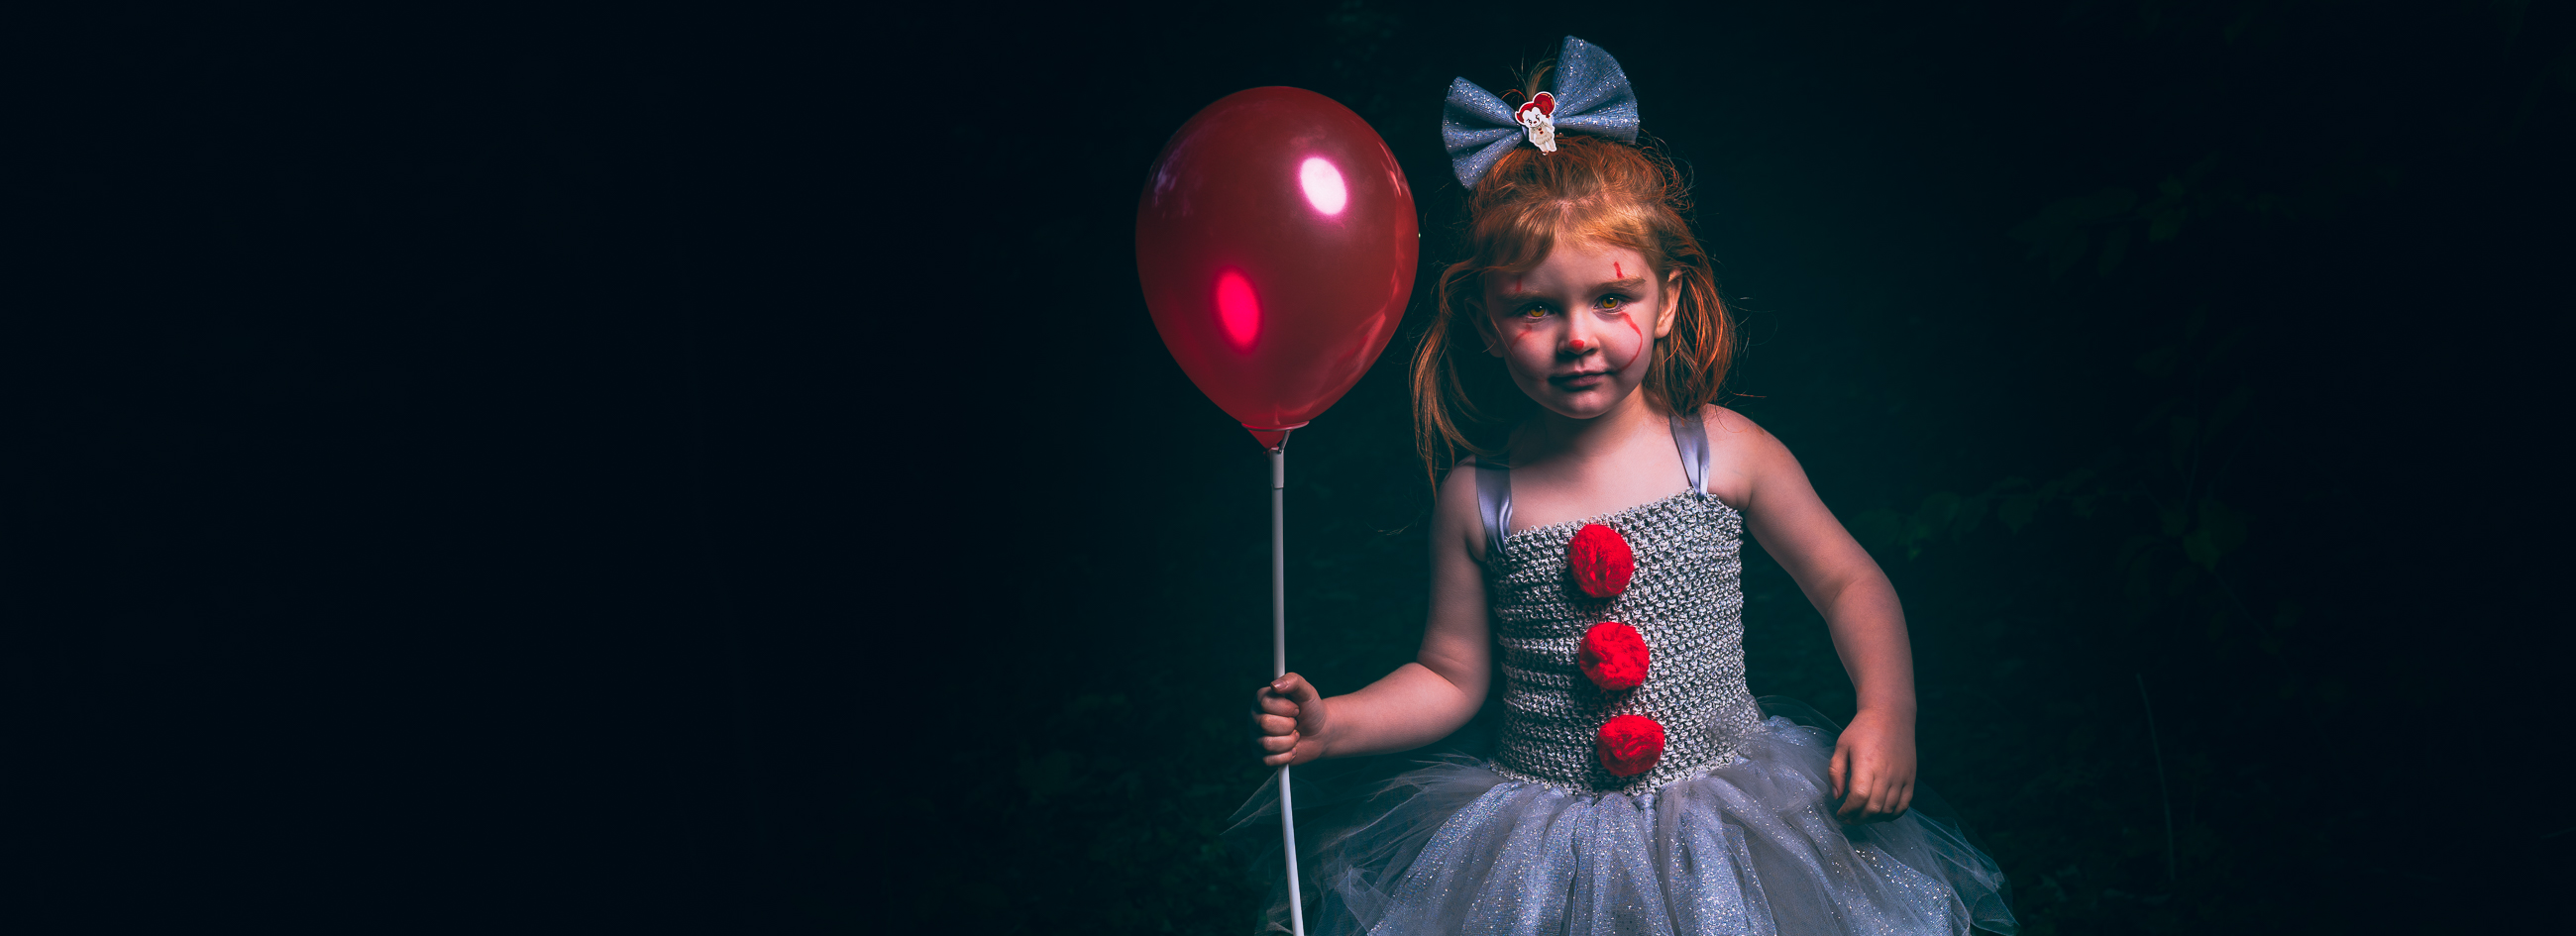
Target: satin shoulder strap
x,y
1691,436
1494,480
1494,501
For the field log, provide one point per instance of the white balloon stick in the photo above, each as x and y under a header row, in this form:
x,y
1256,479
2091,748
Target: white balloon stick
x,y
1279,663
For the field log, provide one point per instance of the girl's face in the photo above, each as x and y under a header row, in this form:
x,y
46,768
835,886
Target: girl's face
x,y
1578,332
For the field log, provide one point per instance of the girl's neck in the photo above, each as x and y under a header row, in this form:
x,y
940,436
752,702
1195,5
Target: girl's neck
x,y
1553,434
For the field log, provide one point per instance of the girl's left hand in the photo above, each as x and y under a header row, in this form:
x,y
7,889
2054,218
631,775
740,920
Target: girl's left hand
x,y
1873,768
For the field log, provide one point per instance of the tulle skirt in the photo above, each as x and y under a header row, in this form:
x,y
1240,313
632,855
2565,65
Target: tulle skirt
x,y
1451,846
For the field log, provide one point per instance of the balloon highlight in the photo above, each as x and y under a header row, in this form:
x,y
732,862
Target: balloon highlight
x,y
1323,184
1238,309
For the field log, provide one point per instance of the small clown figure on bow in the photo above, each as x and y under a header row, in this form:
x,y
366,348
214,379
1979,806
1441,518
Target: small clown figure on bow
x,y
1539,115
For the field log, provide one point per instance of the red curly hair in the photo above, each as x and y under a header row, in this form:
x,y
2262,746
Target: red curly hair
x,y
1591,190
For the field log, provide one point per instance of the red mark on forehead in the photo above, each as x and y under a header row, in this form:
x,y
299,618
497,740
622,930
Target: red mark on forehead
x,y
1614,271
1516,284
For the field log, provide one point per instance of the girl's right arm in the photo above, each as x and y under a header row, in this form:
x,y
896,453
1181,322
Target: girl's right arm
x,y
1422,701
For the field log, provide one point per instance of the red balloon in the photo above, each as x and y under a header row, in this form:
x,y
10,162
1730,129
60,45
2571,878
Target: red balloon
x,y
1277,240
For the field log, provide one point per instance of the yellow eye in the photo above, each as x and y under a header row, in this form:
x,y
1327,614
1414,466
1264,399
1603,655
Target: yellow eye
x,y
1534,312
1609,303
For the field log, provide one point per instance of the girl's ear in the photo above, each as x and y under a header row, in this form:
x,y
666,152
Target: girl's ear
x,y
1672,299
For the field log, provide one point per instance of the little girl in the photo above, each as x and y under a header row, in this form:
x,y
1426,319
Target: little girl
x,y
1637,787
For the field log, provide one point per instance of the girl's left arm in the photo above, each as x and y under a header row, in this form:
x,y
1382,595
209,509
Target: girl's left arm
x,y
1873,765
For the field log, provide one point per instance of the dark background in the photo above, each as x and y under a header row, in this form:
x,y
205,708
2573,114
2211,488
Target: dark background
x,y
618,469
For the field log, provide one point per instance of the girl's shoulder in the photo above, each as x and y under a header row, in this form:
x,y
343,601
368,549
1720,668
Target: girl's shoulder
x,y
1456,517
1719,419
1742,455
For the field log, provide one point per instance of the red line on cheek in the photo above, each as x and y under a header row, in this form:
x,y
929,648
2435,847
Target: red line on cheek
x,y
1640,335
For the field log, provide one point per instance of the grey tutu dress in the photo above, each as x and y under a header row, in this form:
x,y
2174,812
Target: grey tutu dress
x,y
1730,831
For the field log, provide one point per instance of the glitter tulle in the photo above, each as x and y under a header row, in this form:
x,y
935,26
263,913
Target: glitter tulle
x,y
1452,846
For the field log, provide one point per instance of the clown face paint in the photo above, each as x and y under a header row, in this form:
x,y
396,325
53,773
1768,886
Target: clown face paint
x,y
1577,332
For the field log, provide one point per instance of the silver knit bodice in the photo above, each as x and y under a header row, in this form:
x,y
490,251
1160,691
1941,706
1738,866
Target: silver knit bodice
x,y
1685,598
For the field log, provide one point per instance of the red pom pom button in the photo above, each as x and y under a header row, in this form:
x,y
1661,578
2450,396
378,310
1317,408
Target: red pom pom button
x,y
1630,745
1601,560
1613,655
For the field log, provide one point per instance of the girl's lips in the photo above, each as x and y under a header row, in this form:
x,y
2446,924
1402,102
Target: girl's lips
x,y
1579,379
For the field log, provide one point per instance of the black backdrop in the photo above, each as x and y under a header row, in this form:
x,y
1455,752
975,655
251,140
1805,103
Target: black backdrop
x,y
615,469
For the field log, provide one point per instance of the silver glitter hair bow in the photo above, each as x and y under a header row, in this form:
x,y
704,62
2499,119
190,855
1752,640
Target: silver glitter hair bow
x,y
1592,95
